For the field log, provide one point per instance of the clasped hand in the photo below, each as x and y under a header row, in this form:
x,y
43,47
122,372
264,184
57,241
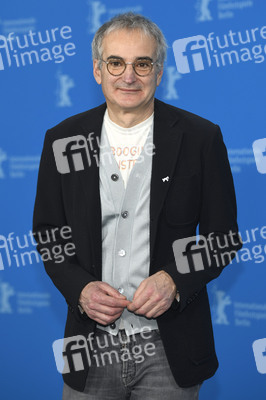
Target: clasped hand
x,y
152,298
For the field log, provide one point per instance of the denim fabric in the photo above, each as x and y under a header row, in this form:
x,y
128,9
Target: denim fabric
x,y
130,367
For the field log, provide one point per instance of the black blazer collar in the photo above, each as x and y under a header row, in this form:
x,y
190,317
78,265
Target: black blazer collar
x,y
167,141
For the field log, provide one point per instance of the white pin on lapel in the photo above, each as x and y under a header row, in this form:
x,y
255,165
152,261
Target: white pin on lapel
x,y
166,179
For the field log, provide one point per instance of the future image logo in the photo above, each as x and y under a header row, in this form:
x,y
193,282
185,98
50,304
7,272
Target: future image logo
x,y
71,154
259,350
197,53
191,254
197,253
76,153
20,251
71,354
77,353
191,54
35,47
259,150
4,45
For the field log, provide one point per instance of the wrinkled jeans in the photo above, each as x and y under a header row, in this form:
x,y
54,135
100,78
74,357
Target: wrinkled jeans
x,y
133,367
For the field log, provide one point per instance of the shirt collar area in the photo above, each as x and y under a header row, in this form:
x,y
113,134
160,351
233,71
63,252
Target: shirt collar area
x,y
147,123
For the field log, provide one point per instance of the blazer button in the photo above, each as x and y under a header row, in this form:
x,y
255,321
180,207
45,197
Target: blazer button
x,y
124,214
114,177
113,326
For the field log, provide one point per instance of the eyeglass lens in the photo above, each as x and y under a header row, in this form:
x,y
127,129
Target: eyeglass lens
x,y
117,66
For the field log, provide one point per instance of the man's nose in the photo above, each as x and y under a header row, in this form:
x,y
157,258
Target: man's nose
x,y
129,76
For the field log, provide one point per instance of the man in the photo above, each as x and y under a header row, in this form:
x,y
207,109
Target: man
x,y
126,205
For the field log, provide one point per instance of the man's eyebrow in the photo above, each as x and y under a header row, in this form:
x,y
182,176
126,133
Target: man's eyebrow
x,y
144,58
120,58
137,58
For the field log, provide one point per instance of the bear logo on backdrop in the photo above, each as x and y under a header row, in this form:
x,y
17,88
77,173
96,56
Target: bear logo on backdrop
x,y
171,76
97,9
203,10
221,301
228,311
3,157
64,84
17,166
6,292
99,13
208,10
13,301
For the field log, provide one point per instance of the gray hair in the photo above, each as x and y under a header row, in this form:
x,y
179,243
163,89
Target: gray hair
x,y
130,21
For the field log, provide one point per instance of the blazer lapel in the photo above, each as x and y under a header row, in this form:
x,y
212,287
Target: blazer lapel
x,y
89,179
167,141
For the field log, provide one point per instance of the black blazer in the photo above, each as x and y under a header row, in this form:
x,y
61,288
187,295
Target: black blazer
x,y
200,191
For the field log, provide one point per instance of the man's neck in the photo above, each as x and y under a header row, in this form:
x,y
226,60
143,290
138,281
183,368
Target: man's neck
x,y
129,118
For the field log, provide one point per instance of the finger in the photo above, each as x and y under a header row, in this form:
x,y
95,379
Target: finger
x,y
99,295
157,314
140,290
158,309
145,308
138,302
102,315
103,318
96,307
101,287
111,291
109,301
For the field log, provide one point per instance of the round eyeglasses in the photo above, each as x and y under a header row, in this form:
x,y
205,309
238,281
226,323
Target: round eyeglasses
x,y
117,66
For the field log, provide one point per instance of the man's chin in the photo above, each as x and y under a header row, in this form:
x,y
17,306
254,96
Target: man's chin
x,y
130,103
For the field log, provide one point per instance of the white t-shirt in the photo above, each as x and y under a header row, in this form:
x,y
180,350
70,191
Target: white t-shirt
x,y
127,143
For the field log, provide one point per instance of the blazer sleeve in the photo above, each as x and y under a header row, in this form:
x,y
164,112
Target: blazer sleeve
x,y
49,216
218,218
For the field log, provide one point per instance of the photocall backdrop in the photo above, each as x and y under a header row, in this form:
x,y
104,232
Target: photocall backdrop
x,y
217,70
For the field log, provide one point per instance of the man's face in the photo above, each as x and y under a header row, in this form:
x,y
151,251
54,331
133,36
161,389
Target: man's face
x,y
128,91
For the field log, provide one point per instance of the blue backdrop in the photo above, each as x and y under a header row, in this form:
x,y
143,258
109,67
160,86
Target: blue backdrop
x,y
217,70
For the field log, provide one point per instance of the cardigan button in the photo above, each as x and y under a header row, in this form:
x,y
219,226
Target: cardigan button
x,y
124,214
114,177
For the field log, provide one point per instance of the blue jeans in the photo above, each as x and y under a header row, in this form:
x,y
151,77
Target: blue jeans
x,y
133,367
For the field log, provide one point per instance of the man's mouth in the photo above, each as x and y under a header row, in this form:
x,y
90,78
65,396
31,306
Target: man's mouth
x,y
129,90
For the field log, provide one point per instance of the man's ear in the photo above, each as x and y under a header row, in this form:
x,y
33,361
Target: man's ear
x,y
159,77
97,72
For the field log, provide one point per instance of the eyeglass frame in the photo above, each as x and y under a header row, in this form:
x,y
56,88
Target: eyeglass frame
x,y
130,63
